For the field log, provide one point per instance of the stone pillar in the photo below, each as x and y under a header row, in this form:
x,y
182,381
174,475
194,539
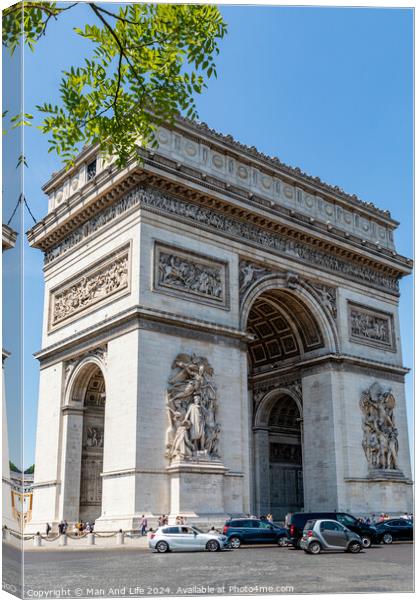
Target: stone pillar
x,y
121,440
72,453
320,450
49,453
262,471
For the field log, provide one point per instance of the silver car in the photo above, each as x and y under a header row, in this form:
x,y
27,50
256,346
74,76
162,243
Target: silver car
x,y
327,534
186,538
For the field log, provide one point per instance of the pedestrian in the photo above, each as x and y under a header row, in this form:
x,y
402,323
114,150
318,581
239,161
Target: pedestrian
x,y
405,516
165,519
66,526
61,527
47,529
270,518
143,525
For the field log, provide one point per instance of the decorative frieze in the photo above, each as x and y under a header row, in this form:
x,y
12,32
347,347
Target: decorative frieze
x,y
371,327
104,280
192,276
93,225
380,436
201,216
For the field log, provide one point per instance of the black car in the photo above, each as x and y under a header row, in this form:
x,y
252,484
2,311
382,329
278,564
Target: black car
x,y
254,531
395,530
367,533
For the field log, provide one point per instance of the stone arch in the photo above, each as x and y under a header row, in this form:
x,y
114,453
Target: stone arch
x,y
84,435
79,373
290,284
266,405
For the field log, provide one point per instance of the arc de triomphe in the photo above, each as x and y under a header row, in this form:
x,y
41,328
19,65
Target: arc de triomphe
x,y
221,336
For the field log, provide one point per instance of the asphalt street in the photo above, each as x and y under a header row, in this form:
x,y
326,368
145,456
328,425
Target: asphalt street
x,y
265,570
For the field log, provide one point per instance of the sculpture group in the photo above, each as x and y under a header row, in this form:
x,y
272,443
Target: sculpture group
x,y
193,432
380,436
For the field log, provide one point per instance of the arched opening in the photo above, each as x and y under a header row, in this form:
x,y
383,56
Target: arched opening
x,y
92,446
285,455
285,332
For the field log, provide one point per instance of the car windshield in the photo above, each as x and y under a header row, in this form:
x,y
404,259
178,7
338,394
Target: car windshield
x,y
197,529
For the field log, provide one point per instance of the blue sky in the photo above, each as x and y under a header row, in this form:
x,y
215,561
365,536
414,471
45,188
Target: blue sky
x,y
329,90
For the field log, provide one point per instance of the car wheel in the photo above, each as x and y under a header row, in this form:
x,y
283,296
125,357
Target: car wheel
x,y
314,548
282,541
235,542
162,546
212,546
366,541
354,547
387,539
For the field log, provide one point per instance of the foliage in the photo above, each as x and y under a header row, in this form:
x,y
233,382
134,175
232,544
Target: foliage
x,y
148,62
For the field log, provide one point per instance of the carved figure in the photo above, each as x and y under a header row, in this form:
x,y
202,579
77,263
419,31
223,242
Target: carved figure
x,y
189,275
192,406
195,416
380,436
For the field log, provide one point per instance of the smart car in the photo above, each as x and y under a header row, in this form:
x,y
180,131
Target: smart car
x,y
326,534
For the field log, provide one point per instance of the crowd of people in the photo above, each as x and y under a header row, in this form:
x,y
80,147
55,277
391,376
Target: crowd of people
x,y
88,527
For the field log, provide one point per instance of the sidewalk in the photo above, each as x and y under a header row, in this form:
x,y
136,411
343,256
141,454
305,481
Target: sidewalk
x,y
100,542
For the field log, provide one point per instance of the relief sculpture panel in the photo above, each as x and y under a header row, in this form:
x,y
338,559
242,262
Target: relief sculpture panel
x,y
370,327
192,407
191,276
105,279
380,435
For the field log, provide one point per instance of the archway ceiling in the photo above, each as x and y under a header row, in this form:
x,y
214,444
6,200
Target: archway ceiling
x,y
283,328
95,391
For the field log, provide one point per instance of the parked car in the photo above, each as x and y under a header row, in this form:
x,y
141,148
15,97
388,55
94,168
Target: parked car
x,y
254,531
327,534
186,538
367,533
395,530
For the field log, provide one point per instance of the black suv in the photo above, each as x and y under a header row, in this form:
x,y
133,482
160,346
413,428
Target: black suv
x,y
297,522
254,531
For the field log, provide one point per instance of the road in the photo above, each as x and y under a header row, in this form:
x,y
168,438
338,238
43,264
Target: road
x,y
127,572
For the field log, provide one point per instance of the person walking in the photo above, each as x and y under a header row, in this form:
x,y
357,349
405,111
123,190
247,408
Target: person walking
x,y
143,525
47,529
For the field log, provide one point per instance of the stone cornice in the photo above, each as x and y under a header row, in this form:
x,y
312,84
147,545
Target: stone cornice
x,y
338,360
135,316
48,233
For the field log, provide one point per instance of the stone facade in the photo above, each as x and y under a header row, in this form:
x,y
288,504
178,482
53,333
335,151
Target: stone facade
x,y
233,312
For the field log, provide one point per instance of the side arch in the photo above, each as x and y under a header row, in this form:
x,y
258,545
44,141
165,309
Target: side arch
x,y
78,378
267,403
